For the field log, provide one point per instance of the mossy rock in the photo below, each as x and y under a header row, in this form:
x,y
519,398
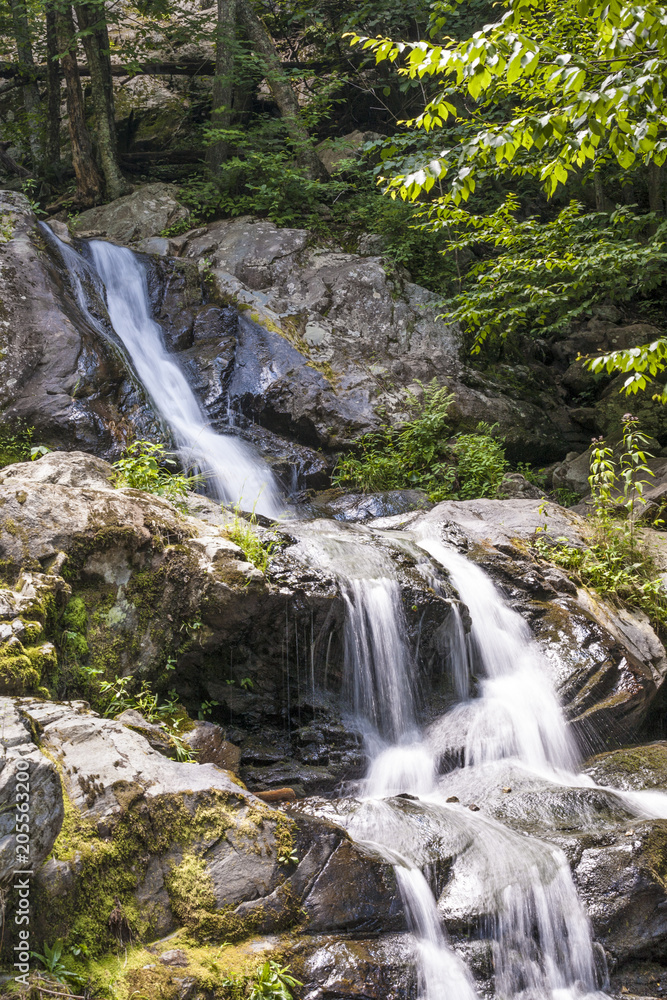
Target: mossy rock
x,y
632,768
19,674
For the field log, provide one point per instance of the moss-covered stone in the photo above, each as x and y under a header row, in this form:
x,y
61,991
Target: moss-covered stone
x,y
19,674
631,768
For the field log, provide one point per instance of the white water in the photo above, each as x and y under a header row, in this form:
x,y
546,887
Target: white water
x,y
233,469
542,940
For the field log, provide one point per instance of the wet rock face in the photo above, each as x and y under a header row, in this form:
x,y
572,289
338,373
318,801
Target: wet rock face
x,y
624,887
57,374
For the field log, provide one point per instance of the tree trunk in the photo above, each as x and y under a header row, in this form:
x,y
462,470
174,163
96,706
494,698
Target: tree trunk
x,y
52,90
281,89
223,81
655,200
602,203
96,44
88,178
30,91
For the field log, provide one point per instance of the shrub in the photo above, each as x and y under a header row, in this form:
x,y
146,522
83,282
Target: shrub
x,y
420,455
143,468
616,563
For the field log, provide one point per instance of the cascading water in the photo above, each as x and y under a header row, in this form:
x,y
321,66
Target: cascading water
x,y
521,887
541,936
235,472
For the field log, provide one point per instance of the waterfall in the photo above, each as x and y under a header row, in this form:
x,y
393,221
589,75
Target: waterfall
x,y
232,468
541,936
517,713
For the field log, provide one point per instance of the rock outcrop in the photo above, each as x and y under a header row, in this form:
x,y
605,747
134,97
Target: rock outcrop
x,y
149,844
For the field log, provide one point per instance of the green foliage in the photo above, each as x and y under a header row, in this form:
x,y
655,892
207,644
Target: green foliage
x,y
542,276
615,564
56,969
142,468
585,81
566,497
481,464
412,456
243,532
641,364
15,444
535,476
556,93
420,455
273,980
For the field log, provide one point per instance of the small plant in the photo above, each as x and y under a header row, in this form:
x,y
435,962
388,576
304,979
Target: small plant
x,y
273,980
16,444
614,564
532,475
142,467
117,697
242,531
288,858
53,966
37,451
206,709
566,497
6,228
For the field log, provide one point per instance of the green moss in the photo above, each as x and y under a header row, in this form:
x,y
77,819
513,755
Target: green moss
x,y
190,888
18,673
75,616
110,869
655,851
222,972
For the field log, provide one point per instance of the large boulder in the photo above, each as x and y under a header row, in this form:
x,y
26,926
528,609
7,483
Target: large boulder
x,y
151,844
137,216
352,332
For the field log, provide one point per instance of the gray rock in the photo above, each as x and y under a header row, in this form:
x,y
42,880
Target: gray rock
x,y
354,892
175,957
58,374
622,885
373,968
368,333
334,152
19,755
137,216
212,747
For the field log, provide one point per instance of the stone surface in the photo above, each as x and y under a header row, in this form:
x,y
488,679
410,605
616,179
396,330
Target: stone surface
x,y
197,849
58,374
42,791
212,747
137,216
355,334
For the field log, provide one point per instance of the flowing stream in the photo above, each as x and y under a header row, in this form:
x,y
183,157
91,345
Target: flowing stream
x,y
235,472
520,886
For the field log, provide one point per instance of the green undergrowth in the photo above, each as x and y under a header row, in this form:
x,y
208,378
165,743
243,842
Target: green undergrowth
x,y
423,453
243,532
17,444
144,467
224,971
617,562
